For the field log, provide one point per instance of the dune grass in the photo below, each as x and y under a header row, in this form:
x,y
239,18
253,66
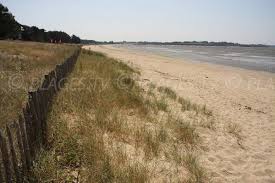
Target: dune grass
x,y
197,173
104,128
161,104
236,130
102,88
168,92
188,106
22,66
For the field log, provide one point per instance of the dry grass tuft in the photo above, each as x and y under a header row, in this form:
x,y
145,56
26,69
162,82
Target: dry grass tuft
x,y
188,106
168,92
198,174
161,104
148,141
152,86
235,130
162,135
186,133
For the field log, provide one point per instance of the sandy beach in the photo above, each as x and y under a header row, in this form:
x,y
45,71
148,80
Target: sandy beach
x,y
242,146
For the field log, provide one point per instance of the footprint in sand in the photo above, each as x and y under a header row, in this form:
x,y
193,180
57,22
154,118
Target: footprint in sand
x,y
260,173
211,159
271,180
259,156
238,162
270,172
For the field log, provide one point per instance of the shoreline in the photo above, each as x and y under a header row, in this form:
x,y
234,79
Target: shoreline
x,y
245,98
214,56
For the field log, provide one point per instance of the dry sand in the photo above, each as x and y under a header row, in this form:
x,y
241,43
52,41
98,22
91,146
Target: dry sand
x,y
236,96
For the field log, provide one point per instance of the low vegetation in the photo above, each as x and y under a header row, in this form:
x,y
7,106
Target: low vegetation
x,y
104,128
197,173
168,92
161,104
22,66
235,130
188,106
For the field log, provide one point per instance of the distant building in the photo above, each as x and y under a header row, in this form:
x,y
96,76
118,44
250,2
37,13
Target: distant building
x,y
20,32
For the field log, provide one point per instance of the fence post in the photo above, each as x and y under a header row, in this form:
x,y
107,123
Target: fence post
x,y
1,175
13,155
44,101
53,84
35,119
45,88
29,130
5,158
37,101
49,92
57,72
42,94
21,149
25,142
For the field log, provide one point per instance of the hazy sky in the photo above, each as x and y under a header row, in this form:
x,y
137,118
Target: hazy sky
x,y
244,21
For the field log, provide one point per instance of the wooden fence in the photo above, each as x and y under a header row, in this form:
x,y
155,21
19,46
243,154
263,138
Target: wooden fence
x,y
21,140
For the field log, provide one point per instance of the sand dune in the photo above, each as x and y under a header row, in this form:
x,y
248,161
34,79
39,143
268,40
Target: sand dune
x,y
242,146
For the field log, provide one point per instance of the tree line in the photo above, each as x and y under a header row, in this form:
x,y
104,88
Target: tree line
x,y
11,29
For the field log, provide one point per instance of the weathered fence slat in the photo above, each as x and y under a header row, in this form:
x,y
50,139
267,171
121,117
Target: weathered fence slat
x,y
38,100
13,155
35,121
1,175
45,87
48,79
29,129
55,81
25,142
21,149
57,70
43,108
5,158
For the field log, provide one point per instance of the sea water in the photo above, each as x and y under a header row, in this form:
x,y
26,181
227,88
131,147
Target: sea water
x,y
254,58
